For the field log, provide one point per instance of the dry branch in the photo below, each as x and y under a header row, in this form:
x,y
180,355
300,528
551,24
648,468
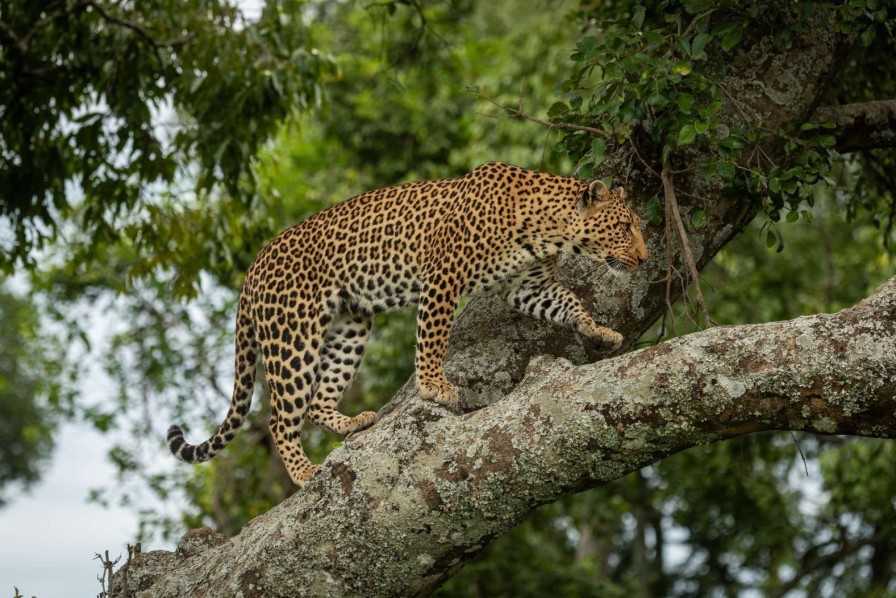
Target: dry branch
x,y
673,212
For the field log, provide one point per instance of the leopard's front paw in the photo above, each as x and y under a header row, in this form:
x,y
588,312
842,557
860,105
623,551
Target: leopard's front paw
x,y
363,420
602,337
439,390
611,338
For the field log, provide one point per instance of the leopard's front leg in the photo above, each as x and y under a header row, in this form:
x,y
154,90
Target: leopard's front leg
x,y
536,293
434,318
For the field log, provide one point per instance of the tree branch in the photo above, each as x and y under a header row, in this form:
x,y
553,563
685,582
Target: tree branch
x,y
404,504
519,113
860,127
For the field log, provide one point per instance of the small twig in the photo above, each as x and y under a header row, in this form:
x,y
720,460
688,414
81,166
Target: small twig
x,y
518,113
105,578
126,24
800,449
544,147
672,203
669,266
140,31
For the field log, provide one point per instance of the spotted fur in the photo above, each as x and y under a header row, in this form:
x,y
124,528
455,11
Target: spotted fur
x,y
308,297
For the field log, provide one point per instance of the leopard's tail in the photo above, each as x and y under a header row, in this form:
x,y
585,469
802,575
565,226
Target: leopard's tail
x,y
243,385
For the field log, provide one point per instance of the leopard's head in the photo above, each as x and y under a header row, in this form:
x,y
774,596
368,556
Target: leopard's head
x,y
606,228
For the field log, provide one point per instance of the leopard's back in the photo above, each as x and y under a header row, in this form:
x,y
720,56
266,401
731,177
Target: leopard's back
x,y
367,250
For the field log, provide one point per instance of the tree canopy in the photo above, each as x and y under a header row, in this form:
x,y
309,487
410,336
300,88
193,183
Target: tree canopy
x,y
149,149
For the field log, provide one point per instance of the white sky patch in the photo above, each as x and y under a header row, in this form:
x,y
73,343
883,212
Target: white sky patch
x,y
50,534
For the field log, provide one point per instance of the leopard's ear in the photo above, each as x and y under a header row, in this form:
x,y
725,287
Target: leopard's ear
x,y
620,192
596,194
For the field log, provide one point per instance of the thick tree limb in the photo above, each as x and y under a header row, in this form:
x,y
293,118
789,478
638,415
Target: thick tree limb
x,y
404,504
859,127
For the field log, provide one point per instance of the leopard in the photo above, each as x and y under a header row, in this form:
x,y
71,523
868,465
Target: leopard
x,y
308,298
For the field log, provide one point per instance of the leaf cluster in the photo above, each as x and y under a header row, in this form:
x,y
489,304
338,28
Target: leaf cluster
x,y
31,395
651,76
105,103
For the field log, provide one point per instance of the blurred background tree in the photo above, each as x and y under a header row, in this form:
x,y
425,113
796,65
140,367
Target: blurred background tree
x,y
178,139
31,399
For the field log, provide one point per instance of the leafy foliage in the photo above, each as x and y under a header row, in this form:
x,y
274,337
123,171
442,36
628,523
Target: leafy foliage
x,y
104,104
26,389
650,78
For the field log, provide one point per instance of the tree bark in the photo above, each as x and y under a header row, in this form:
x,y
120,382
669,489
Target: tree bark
x,y
863,126
402,506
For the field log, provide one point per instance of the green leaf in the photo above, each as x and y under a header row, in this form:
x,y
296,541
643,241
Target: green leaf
x,y
710,109
698,219
731,38
557,110
695,6
867,36
598,145
726,171
683,67
773,237
685,101
658,97
731,142
655,211
612,71
587,44
697,45
638,16
667,151
687,134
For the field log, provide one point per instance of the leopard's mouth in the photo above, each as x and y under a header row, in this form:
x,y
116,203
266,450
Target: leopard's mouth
x,y
615,263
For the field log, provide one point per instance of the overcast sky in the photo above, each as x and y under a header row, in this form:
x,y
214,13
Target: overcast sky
x,y
50,535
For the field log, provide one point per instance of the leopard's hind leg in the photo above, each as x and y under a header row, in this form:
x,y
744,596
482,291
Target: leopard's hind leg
x,y
343,347
291,362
